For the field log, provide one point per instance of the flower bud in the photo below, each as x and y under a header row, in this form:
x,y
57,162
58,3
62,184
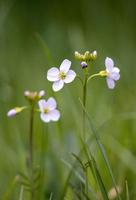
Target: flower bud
x,y
93,55
34,96
83,64
14,111
77,55
87,55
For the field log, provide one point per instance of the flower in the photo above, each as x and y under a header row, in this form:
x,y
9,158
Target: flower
x,y
14,111
48,110
112,73
32,96
61,75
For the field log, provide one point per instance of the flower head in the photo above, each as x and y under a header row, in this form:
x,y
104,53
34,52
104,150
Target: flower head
x,y
87,56
61,75
32,96
14,111
48,110
112,73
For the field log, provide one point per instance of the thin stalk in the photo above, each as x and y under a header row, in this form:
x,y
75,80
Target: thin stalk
x,y
127,191
84,103
84,121
31,148
92,76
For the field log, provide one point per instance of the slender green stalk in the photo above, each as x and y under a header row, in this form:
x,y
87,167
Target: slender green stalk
x,y
92,76
84,103
21,193
31,148
84,121
127,191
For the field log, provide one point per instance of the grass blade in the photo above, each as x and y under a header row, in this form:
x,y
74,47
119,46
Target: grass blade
x,y
127,191
93,167
102,149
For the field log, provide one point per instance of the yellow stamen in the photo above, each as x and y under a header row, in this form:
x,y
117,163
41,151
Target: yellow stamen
x,y
62,75
46,110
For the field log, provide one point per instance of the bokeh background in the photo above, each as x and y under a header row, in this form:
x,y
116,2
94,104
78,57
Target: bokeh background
x,y
36,35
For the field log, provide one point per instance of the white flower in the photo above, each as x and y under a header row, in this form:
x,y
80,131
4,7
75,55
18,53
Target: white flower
x,y
61,75
48,110
112,73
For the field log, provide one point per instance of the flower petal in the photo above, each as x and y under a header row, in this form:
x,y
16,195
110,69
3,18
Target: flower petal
x,y
115,76
53,74
70,76
116,69
42,105
109,64
58,85
45,117
110,83
65,65
54,115
51,103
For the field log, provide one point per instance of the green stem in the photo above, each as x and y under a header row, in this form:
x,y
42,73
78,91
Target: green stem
x,y
92,76
84,121
31,148
84,103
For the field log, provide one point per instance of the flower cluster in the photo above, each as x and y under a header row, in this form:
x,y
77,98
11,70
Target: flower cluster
x,y
87,56
63,75
47,109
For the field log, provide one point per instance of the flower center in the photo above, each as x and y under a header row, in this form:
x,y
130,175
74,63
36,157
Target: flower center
x,y
62,75
46,110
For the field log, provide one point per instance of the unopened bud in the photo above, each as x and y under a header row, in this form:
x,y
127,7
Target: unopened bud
x,y
93,55
14,111
83,64
77,55
87,55
33,96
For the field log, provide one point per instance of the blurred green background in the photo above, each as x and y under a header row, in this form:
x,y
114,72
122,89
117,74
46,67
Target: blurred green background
x,y
36,35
